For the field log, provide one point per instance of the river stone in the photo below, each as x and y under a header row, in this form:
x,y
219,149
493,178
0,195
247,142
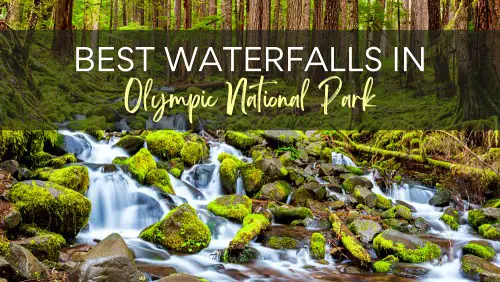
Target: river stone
x,y
11,220
7,270
409,270
10,166
365,196
272,168
422,225
351,182
314,149
131,144
283,137
441,198
403,203
246,255
181,277
366,229
26,262
479,248
109,260
276,191
476,268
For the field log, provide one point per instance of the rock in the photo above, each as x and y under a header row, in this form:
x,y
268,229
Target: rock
x,y
490,231
271,168
109,260
355,250
58,162
8,271
406,248
74,254
301,197
316,224
253,225
397,211
276,191
287,214
201,175
180,230
140,164
240,140
159,179
408,270
74,177
11,220
131,144
451,218
397,224
194,151
319,207
283,137
235,207
166,144
476,268
383,203
44,245
483,216
247,255
228,172
364,196
482,249
281,243
24,174
37,202
253,179
493,203
422,225
403,203
385,265
441,198
96,133
317,246
350,183
182,277
10,166
26,263
366,229
315,148
156,271
6,181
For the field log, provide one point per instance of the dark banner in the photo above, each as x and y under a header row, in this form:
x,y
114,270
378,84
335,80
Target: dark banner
x,y
303,80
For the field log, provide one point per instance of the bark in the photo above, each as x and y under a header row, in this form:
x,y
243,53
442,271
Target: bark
x,y
13,13
294,14
111,2
187,14
62,42
254,15
124,12
354,77
266,15
31,30
305,19
332,15
167,14
343,8
227,14
487,15
212,9
318,15
446,13
178,16
277,12
440,59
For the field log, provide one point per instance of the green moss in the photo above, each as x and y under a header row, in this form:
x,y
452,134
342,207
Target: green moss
x,y
253,224
73,177
4,246
39,159
287,214
45,246
317,247
281,243
355,170
276,191
253,178
51,206
480,250
165,144
159,178
398,211
229,172
383,203
120,160
489,231
326,154
450,221
477,218
96,133
235,207
58,162
348,185
140,164
240,140
176,172
429,252
493,203
193,152
180,230
385,265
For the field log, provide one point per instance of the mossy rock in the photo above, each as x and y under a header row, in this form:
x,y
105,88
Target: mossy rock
x,y
51,206
482,249
37,160
235,207
182,277
130,143
240,140
302,195
351,182
366,229
160,179
253,225
239,256
398,211
253,179
228,173
44,245
441,198
74,177
383,203
479,269
281,243
193,152
180,230
406,248
272,169
283,137
490,231
276,191
385,265
479,217
287,214
493,203
365,196
140,164
165,144
60,161
450,217
317,246
98,134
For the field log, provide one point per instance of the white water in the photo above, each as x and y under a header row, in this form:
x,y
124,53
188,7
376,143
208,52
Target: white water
x,y
120,204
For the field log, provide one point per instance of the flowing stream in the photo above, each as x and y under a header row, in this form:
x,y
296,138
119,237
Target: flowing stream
x,y
120,204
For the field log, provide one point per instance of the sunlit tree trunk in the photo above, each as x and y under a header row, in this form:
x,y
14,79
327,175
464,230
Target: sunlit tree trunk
x,y
331,15
277,14
178,18
13,15
62,43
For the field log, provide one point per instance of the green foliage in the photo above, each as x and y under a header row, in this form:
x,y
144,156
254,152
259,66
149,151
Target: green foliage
x,y
134,26
295,153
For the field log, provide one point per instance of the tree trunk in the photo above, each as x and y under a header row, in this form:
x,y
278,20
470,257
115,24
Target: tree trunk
x,y
254,15
305,21
277,12
154,14
332,15
446,13
178,16
440,60
227,14
487,15
212,10
343,8
62,42
318,15
294,14
94,35
124,12
187,14
419,21
167,15
31,30
13,13
111,2
354,77
241,15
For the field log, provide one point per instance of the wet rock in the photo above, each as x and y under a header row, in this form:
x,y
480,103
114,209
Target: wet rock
x,y
246,255
180,230
271,168
409,270
281,243
490,231
156,271
10,166
396,224
479,269
301,196
287,214
182,277
6,181
316,224
201,175
26,262
74,254
8,271
241,140
364,196
482,249
109,260
315,148
451,218
131,144
325,206
403,203
228,173
74,177
234,207
441,198
42,244
12,217
159,179
385,265
366,229
398,211
422,225
283,137
276,191
406,248
299,234
253,225
350,183
483,216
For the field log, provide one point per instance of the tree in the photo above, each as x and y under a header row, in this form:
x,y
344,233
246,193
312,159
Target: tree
x,y
305,19
178,18
124,12
487,15
115,22
13,13
294,14
277,13
318,15
187,14
31,30
212,9
62,42
227,14
332,15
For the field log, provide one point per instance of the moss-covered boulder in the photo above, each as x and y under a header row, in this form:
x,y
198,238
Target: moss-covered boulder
x,y
98,134
450,217
364,196
350,183
44,245
483,216
253,225
140,164
165,144
283,137
275,191
383,203
272,168
160,179
57,162
26,263
493,203
406,248
130,143
398,211
317,246
441,198
302,195
355,250
482,249
249,254
235,207
366,229
479,269
253,178
385,265
74,177
180,230
240,140
193,152
228,173
51,206
490,231
281,243
287,214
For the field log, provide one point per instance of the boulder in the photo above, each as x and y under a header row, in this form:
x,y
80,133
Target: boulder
x,y
385,265
109,260
166,144
406,248
253,179
11,218
51,206
8,271
44,245
228,173
383,203
410,270
74,177
275,191
271,168
131,144
397,211
182,277
441,198
482,249
365,196
366,229
317,246
159,179
315,148
10,166
180,230
479,217
301,196
253,225
240,140
422,225
479,269
24,261
350,183
283,137
287,214
140,164
194,151
451,218
249,254
281,242
490,231
235,207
